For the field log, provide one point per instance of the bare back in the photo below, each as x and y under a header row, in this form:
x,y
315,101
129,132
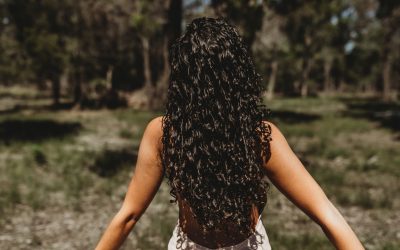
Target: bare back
x,y
211,239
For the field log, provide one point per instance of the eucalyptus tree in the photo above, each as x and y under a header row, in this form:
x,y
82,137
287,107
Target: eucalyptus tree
x,y
389,14
317,33
14,63
40,29
270,50
104,50
246,15
157,23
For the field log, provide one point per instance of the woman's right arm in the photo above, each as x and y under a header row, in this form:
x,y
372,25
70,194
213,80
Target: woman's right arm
x,y
142,188
289,175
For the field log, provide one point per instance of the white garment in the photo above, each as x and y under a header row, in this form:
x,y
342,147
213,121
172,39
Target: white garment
x,y
244,245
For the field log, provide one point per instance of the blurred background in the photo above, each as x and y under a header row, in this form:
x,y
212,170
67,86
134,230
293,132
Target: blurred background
x,y
79,81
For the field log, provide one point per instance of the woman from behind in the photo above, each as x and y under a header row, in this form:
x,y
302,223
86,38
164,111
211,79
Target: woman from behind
x,y
212,136
216,148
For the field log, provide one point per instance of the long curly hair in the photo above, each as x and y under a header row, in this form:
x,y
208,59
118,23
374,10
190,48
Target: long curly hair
x,y
214,138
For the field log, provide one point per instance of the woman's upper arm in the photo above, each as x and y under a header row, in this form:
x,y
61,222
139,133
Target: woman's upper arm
x,y
288,174
148,174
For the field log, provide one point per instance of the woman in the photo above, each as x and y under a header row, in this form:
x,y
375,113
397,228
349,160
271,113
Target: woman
x,y
215,147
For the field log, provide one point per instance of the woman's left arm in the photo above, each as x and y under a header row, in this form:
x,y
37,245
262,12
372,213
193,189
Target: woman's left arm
x,y
143,186
290,176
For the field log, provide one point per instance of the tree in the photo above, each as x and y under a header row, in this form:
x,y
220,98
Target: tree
x,y
246,15
389,13
157,23
310,32
269,49
361,62
14,63
39,28
103,51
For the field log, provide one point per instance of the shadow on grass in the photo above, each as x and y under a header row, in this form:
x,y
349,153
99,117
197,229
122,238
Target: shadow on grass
x,y
47,107
35,130
109,162
23,96
386,114
293,117
110,100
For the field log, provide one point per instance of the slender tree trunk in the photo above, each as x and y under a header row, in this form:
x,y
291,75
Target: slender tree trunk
x,y
387,68
390,28
77,59
172,31
304,89
148,87
109,76
327,76
304,77
146,63
162,84
55,84
342,85
166,70
272,80
77,87
174,19
64,80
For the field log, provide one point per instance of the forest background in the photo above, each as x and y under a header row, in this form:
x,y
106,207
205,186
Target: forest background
x,y
79,80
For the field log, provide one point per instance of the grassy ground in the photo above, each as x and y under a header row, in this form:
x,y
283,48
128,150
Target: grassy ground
x,y
64,173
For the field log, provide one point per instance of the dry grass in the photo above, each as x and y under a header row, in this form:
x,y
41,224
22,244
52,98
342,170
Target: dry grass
x,y
59,190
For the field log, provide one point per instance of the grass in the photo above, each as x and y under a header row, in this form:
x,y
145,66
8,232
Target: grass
x,y
83,164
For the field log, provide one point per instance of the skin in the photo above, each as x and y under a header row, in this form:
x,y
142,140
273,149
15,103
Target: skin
x,y
284,169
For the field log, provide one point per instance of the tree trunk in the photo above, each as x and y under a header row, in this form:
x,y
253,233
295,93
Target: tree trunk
x,y
327,76
387,68
304,77
64,81
55,84
156,94
172,31
174,19
390,28
304,89
77,91
162,84
272,80
342,85
109,76
149,88
146,63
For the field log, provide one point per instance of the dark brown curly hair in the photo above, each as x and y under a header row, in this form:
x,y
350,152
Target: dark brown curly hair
x,y
214,138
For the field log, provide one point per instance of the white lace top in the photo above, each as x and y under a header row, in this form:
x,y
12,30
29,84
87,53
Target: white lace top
x,y
262,239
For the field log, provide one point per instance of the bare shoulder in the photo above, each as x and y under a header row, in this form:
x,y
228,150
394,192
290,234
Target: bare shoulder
x,y
280,150
275,133
155,123
154,130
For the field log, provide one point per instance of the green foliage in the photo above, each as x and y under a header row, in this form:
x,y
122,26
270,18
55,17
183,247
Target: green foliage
x,y
386,8
145,19
38,155
39,34
247,15
14,64
318,46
